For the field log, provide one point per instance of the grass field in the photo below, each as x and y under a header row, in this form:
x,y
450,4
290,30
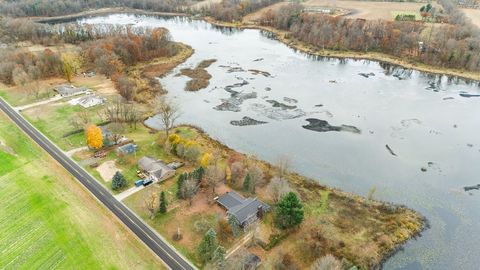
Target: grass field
x,y
53,120
370,10
48,221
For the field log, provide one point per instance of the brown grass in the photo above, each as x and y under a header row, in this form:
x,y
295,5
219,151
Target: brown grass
x,y
145,74
473,14
370,10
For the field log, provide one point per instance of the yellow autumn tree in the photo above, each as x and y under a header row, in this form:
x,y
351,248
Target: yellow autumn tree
x,y
205,160
228,174
94,137
71,63
174,138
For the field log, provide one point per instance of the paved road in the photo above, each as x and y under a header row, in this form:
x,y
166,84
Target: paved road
x,y
170,256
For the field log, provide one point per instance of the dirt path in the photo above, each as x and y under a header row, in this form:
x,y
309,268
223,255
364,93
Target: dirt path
x,y
43,102
107,170
73,151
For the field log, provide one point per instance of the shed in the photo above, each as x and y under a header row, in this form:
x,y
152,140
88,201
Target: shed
x,y
128,148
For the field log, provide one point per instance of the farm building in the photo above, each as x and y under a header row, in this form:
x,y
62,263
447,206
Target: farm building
x,y
65,90
245,210
155,168
88,101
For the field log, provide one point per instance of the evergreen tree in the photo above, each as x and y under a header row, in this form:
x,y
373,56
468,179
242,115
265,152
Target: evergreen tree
x,y
289,211
118,181
163,203
207,247
246,183
236,230
181,179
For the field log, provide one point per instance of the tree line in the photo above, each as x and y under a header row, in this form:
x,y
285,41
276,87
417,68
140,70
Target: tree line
x,y
108,49
234,10
454,45
22,8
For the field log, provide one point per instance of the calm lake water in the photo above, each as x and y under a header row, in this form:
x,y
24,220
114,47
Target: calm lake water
x,y
426,121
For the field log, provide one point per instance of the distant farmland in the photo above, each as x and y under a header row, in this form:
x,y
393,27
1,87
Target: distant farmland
x,y
473,14
48,221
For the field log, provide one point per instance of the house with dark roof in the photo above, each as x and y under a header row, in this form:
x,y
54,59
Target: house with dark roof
x,y
66,90
245,210
126,149
155,168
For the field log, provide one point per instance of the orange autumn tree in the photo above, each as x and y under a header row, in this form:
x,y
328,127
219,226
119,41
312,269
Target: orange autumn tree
x,y
94,137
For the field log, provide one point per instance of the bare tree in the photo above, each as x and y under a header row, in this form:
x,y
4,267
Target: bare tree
x,y
237,171
214,175
282,165
327,262
167,111
151,204
256,176
278,187
189,189
80,119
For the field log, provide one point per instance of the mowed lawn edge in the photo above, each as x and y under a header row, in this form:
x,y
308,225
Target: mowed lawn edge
x,y
48,220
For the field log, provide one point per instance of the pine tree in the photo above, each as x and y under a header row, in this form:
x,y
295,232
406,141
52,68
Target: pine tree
x,y
163,203
246,183
236,230
289,211
181,178
118,181
207,247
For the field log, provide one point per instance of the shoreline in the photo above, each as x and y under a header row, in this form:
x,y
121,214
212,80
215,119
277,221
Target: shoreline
x,y
306,48
280,35
296,179
300,182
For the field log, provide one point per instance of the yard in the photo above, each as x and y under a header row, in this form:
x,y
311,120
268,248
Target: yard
x,y
49,221
54,121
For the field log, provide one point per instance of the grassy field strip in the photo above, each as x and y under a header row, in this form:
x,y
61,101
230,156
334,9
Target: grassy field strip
x,y
47,221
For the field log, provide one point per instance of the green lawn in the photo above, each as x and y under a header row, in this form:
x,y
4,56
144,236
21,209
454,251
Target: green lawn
x,y
54,121
47,220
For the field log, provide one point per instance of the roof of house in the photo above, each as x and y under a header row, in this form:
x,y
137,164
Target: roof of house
x,y
151,165
239,207
251,261
105,131
230,199
68,90
128,148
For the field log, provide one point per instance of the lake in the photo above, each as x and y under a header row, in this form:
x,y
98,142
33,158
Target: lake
x,y
413,136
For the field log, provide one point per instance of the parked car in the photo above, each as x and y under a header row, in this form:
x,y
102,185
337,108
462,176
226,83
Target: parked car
x,y
100,154
147,182
175,165
139,182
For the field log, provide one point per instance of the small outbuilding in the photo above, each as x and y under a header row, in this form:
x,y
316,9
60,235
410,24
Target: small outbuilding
x,y
126,149
245,210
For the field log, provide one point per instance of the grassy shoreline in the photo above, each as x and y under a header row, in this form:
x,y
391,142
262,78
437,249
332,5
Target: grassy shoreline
x,y
304,47
282,37
409,224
